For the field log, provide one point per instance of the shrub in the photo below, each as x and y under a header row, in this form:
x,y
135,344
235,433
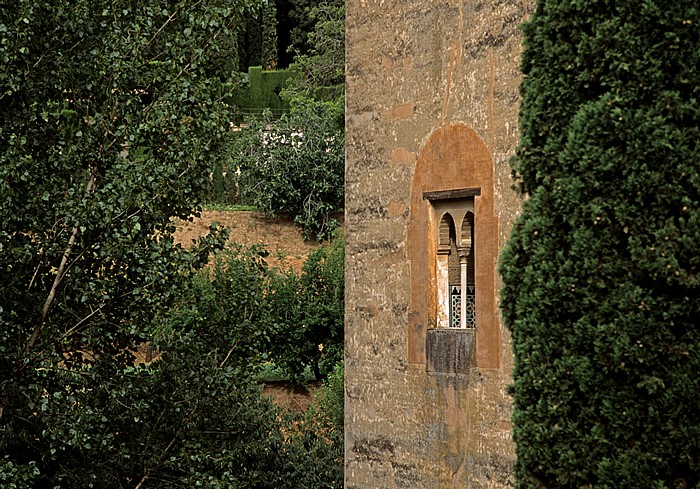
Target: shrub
x,y
328,408
193,417
321,434
601,271
307,314
237,317
322,67
261,314
296,165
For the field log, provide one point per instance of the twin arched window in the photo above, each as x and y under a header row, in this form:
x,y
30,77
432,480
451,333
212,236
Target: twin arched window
x,y
453,221
455,270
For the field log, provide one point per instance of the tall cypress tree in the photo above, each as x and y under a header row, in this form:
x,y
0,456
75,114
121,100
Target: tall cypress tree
x,y
269,35
601,272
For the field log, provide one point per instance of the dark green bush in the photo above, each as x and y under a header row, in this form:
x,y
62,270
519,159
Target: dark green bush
x,y
269,35
601,272
293,319
321,433
250,39
320,68
328,408
192,418
243,315
228,303
261,90
306,314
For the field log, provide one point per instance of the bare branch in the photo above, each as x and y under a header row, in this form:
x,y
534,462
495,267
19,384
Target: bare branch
x,y
148,44
60,274
79,323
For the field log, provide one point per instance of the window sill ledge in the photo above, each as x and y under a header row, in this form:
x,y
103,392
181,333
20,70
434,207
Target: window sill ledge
x,y
450,350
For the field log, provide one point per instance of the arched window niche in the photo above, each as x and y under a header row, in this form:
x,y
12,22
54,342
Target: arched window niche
x,y
452,248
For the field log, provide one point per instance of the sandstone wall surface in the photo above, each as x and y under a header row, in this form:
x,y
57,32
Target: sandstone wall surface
x,y
414,67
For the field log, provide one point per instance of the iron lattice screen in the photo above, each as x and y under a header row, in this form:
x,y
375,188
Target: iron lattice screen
x,y
456,307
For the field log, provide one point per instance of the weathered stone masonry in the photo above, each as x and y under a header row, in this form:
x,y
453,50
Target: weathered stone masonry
x,y
432,105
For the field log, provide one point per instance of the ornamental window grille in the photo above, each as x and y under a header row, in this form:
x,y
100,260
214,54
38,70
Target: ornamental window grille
x,y
456,307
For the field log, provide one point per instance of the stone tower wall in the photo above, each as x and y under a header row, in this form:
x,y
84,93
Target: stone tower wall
x,y
428,82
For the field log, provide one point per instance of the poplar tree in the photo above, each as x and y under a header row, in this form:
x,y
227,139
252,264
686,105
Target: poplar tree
x,y
110,116
600,276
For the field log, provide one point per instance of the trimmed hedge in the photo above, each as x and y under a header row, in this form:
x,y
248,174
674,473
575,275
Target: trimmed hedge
x,y
263,92
601,272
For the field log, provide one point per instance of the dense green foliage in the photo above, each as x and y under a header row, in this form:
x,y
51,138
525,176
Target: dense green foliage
x,y
293,163
227,314
329,405
109,118
296,165
269,35
307,323
244,315
257,41
228,301
249,41
293,319
601,273
324,428
261,90
300,20
320,67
